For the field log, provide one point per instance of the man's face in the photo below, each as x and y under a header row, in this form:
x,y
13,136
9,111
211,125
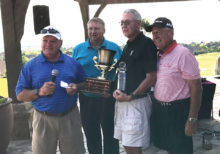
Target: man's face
x,y
50,46
129,25
95,31
162,37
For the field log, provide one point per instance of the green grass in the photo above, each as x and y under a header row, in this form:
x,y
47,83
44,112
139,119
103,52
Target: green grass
x,y
3,87
206,65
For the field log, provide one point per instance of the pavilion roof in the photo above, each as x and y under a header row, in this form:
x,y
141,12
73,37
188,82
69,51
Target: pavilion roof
x,y
92,2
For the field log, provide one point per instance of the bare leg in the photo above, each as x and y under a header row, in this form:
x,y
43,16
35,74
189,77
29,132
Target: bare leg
x,y
133,150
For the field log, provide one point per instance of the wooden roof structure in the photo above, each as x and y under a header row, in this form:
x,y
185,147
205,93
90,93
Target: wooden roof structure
x,y
13,18
84,7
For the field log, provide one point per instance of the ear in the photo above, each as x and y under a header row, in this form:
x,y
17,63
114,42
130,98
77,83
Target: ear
x,y
139,23
103,30
60,42
172,32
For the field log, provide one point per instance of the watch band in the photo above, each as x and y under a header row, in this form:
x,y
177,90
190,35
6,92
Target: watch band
x,y
192,119
132,96
36,92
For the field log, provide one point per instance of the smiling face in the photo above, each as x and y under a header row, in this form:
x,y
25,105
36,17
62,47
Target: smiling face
x,y
96,31
162,37
130,26
50,46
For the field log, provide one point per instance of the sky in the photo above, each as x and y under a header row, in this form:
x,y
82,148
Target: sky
x,y
194,21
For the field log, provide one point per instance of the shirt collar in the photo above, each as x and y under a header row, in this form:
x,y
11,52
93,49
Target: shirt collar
x,y
44,59
103,45
137,38
169,49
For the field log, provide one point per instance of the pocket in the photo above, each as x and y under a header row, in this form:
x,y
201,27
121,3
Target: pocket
x,y
132,125
38,121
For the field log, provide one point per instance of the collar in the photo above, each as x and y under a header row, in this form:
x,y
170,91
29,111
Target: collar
x,y
88,45
44,59
137,38
169,49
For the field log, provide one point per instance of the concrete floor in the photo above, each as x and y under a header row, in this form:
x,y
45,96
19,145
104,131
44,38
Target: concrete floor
x,y
24,146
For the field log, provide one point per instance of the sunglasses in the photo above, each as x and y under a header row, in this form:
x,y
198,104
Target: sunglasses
x,y
126,22
51,31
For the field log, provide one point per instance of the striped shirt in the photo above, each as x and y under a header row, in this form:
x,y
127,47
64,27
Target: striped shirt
x,y
174,68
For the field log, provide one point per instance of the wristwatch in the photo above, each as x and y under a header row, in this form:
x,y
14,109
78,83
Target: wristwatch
x,y
36,92
132,96
192,119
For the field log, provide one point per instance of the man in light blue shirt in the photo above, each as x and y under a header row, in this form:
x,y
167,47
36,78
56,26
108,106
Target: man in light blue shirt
x,y
97,111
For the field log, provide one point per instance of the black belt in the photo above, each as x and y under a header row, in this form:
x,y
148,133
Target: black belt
x,y
58,114
172,102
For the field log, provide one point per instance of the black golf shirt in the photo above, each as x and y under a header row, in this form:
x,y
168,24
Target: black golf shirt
x,y
140,57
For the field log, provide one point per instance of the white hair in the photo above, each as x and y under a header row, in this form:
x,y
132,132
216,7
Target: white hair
x,y
134,12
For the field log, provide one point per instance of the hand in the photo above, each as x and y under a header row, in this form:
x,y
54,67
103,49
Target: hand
x,y
72,90
191,127
120,96
47,89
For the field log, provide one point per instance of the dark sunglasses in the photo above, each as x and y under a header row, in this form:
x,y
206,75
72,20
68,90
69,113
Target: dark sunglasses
x,y
51,31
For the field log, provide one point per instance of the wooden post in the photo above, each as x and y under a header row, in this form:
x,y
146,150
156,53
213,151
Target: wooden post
x,y
13,16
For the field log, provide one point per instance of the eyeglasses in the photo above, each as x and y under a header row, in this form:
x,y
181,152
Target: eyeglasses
x,y
51,31
126,22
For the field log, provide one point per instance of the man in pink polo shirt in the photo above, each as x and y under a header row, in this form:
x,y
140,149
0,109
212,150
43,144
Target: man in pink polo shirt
x,y
177,92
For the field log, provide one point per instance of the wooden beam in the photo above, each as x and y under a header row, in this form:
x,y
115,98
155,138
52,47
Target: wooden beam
x,y
13,17
102,6
84,8
92,2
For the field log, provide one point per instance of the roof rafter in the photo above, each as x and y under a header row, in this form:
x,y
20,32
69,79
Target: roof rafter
x,y
93,2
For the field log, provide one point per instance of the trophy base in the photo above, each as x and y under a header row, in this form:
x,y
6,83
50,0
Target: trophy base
x,y
98,86
101,78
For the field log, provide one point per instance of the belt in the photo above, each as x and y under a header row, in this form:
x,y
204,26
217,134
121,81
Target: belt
x,y
57,114
167,104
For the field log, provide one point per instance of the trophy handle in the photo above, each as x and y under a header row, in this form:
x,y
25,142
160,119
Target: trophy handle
x,y
95,61
113,65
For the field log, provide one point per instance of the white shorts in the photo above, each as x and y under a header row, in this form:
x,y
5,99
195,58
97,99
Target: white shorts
x,y
132,122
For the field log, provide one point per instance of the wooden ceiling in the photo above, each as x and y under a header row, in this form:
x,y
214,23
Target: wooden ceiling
x,y
93,2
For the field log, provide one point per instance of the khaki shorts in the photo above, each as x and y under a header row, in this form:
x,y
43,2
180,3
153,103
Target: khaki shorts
x,y
132,122
50,131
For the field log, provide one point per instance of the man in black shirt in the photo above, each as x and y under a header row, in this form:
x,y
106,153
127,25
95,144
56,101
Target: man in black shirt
x,y
133,106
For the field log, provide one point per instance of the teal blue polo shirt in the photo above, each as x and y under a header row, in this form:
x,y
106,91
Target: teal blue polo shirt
x,y
84,54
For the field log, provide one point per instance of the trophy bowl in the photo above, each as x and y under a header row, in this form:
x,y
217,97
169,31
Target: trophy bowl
x,y
104,61
106,56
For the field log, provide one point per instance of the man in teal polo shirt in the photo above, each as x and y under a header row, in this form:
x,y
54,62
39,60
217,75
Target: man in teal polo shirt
x,y
56,116
96,111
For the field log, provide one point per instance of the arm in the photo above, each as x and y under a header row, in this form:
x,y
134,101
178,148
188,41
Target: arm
x,y
149,81
29,94
75,88
195,102
146,83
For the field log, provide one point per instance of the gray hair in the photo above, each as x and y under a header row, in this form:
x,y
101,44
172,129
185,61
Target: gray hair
x,y
97,20
134,12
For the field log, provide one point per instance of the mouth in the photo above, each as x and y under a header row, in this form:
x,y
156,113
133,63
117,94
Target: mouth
x,y
157,41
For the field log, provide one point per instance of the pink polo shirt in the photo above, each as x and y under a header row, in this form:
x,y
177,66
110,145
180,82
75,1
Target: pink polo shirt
x,y
174,68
